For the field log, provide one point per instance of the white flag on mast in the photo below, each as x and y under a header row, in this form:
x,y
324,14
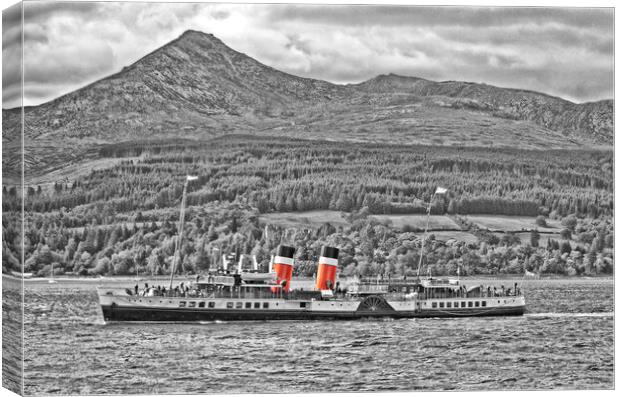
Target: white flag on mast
x,y
191,178
440,190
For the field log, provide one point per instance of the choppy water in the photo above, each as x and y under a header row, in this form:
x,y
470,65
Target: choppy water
x,y
564,342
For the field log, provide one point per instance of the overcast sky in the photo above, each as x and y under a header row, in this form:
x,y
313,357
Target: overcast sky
x,y
566,52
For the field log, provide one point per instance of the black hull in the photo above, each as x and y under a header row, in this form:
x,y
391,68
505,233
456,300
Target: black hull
x,y
125,314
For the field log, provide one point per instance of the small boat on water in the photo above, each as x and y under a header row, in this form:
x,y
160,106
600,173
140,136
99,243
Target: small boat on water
x,y
248,294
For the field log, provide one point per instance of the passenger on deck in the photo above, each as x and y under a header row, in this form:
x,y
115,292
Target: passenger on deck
x,y
136,289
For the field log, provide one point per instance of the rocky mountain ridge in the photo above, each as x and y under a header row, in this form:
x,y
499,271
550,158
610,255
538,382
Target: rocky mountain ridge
x,y
593,119
197,87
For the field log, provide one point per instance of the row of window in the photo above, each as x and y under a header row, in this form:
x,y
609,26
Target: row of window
x,y
456,304
229,305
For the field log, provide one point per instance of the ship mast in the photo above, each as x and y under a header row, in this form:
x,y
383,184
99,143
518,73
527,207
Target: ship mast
x,y
439,190
177,254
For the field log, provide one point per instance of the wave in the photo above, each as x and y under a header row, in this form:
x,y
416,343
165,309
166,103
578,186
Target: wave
x,y
593,314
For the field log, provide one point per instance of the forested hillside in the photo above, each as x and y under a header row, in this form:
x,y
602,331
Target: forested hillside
x,y
122,219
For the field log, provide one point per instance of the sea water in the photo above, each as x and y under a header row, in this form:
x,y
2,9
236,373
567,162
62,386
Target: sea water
x,y
565,341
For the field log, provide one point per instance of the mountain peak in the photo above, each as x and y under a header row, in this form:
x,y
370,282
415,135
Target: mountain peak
x,y
198,85
190,33
195,37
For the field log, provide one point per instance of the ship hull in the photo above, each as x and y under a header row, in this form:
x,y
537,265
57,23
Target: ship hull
x,y
112,314
118,306
140,314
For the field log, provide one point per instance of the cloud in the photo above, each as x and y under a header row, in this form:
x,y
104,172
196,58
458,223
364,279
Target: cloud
x,y
437,16
566,52
41,11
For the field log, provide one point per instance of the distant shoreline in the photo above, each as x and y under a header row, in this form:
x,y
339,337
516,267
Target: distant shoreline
x,y
183,278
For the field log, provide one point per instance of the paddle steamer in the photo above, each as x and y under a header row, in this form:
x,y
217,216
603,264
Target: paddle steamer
x,y
248,294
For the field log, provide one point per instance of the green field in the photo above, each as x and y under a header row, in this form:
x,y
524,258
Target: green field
x,y
418,221
453,235
513,223
307,219
442,226
315,219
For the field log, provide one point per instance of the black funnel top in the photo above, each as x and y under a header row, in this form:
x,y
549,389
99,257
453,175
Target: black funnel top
x,y
286,251
329,252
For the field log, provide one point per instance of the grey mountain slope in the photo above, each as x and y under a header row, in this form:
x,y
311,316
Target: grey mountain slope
x,y
593,120
197,87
